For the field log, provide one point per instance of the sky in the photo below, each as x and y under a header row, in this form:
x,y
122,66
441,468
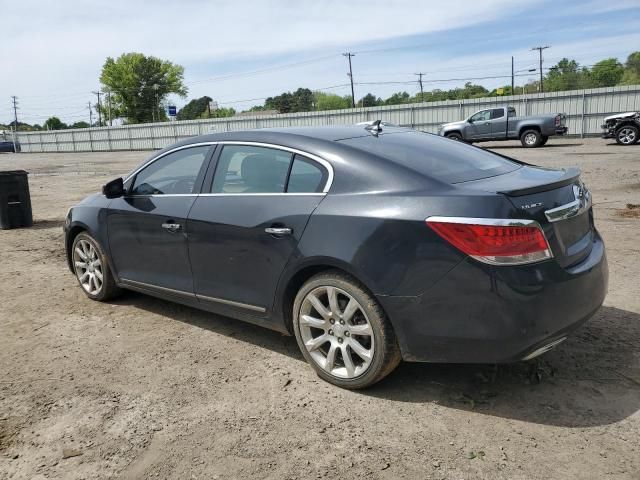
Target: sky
x,y
240,52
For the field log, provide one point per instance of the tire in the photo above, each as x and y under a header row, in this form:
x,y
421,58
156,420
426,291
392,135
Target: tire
x,y
544,140
315,323
88,252
531,139
627,135
455,136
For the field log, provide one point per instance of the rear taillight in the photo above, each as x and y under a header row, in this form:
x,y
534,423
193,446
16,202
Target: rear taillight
x,y
494,241
558,120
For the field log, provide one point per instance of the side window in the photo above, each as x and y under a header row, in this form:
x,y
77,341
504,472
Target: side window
x,y
481,116
248,169
306,176
497,113
175,173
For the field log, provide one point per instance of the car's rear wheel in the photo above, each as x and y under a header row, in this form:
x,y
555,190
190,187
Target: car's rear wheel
x,y
343,332
628,135
543,140
454,136
92,269
531,139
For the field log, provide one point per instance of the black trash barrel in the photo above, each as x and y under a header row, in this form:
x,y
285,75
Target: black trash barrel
x,y
15,201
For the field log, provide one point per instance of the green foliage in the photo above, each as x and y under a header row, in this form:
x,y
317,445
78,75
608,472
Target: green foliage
x,y
194,109
631,74
606,73
331,101
369,100
139,85
54,123
80,124
299,101
398,98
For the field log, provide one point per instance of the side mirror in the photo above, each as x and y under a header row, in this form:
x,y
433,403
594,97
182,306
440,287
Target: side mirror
x,y
470,120
114,189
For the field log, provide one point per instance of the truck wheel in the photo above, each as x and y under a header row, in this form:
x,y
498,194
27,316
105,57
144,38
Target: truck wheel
x,y
544,140
454,136
628,135
531,139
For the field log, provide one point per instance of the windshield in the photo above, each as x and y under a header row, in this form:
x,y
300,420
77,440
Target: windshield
x,y
434,156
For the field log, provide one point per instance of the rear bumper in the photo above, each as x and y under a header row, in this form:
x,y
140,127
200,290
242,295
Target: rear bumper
x,y
480,313
562,130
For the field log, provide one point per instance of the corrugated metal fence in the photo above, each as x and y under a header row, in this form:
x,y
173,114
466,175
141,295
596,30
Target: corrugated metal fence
x,y
585,110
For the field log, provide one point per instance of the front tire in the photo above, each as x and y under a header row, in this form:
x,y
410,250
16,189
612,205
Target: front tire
x,y
343,332
628,135
455,136
531,139
92,269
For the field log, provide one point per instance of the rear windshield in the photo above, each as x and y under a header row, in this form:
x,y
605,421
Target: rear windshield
x,y
437,157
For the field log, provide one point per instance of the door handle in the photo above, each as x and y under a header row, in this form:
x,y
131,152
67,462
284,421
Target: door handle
x,y
278,231
488,123
172,227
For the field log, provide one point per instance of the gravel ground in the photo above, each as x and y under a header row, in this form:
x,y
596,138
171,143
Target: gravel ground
x,y
142,388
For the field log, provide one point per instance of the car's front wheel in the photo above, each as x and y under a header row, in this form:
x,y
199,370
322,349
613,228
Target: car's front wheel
x,y
628,135
91,268
455,136
342,331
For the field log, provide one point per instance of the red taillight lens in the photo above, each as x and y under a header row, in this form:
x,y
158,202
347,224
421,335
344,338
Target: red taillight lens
x,y
558,119
500,242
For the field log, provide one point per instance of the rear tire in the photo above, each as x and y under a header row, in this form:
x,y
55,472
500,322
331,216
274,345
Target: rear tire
x,y
544,141
352,347
627,135
92,269
531,139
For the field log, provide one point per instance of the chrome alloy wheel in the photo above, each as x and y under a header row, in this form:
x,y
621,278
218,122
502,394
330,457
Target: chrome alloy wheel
x,y
336,332
627,135
88,267
530,138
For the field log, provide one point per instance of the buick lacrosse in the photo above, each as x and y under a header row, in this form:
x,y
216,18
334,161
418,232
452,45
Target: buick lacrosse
x,y
371,244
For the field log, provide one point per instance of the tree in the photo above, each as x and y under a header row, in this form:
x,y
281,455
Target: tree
x,y
631,74
80,124
369,100
194,109
54,123
606,73
299,101
139,85
566,75
398,98
331,101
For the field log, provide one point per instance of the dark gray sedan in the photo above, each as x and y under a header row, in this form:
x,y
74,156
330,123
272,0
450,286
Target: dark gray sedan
x,y
370,244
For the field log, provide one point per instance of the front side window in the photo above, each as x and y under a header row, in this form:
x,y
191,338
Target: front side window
x,y
249,169
306,176
481,116
175,173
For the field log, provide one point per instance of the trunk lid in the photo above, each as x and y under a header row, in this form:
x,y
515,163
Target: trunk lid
x,y
556,199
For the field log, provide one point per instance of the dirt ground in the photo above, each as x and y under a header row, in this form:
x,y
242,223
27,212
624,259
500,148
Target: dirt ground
x,y
142,388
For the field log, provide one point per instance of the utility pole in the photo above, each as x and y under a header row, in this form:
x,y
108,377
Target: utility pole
x,y
420,82
513,88
540,49
90,116
109,106
15,119
98,93
156,107
353,95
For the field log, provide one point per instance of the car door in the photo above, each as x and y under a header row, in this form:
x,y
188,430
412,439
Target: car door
x,y
147,226
480,125
498,123
243,232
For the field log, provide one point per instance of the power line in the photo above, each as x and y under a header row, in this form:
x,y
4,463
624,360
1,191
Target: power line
x,y
350,74
540,49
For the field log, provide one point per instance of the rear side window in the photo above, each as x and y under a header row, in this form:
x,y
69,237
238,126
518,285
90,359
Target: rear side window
x,y
434,156
306,176
497,113
248,169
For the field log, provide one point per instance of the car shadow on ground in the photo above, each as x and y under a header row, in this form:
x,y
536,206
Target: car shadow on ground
x,y
514,145
591,379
